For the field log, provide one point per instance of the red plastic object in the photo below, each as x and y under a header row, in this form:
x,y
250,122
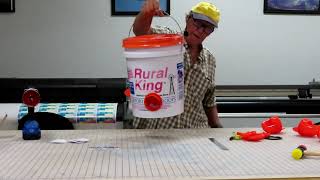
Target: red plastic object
x,y
153,102
253,135
272,125
127,92
31,97
307,128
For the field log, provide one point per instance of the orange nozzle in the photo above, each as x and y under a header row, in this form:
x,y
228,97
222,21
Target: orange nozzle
x,y
127,92
153,102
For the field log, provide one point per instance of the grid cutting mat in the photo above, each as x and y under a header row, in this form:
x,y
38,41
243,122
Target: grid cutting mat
x,y
154,154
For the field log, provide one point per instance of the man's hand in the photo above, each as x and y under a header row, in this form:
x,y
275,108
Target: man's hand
x,y
213,119
152,8
142,22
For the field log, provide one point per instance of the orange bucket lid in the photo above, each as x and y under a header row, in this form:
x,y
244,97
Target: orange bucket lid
x,y
152,41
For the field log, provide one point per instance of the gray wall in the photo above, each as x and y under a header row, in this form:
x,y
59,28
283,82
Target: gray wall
x,y
80,39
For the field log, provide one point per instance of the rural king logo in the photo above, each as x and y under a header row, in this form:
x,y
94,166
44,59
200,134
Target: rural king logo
x,y
148,80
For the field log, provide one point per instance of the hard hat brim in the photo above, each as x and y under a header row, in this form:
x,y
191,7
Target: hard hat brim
x,y
205,18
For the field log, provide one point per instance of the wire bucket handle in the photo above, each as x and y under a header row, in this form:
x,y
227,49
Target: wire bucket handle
x,y
165,14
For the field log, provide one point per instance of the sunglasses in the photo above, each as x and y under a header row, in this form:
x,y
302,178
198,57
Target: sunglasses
x,y
198,24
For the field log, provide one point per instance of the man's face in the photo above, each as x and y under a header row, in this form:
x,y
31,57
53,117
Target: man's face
x,y
198,30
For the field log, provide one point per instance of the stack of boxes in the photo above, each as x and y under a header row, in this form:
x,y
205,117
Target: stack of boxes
x,y
78,112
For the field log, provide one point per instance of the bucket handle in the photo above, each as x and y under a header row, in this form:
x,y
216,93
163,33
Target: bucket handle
x,y
165,14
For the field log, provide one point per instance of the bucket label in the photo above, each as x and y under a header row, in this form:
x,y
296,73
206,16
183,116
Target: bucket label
x,y
180,80
149,81
169,86
132,88
161,75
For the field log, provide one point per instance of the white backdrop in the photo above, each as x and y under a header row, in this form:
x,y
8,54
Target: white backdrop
x,y
80,39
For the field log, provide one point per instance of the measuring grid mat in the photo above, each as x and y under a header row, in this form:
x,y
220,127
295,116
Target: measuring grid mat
x,y
153,154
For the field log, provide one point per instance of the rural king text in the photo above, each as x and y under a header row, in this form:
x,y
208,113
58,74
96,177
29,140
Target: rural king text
x,y
149,80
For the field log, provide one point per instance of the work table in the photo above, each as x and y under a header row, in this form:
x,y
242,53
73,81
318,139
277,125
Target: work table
x,y
154,154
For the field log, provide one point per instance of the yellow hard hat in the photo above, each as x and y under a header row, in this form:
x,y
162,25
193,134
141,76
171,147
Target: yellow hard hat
x,y
207,12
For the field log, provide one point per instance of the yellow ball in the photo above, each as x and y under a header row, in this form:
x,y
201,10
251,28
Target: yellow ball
x,y
297,153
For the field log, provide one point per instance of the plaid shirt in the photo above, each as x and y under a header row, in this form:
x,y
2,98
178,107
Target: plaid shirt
x,y
199,89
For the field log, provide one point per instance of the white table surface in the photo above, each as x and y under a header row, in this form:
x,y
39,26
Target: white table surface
x,y
153,154
9,116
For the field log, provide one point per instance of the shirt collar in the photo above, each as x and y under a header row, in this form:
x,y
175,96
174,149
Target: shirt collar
x,y
187,46
201,55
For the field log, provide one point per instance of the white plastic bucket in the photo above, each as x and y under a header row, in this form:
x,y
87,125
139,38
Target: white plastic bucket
x,y
155,75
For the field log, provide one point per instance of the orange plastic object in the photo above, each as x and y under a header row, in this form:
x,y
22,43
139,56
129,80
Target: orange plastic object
x,y
127,92
152,41
153,102
272,125
306,128
253,135
31,97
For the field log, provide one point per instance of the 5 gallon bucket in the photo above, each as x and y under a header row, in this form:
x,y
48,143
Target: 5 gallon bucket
x,y
155,74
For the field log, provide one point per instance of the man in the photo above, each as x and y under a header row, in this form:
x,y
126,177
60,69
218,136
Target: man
x,y
200,110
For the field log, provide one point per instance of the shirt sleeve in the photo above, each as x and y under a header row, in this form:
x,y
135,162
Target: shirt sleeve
x,y
210,98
